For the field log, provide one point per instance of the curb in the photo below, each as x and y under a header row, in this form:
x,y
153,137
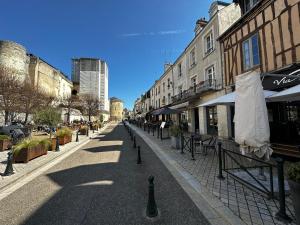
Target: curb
x,y
211,207
30,175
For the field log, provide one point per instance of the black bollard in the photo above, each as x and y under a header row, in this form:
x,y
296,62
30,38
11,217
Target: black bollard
x,y
281,214
77,136
192,147
153,129
151,205
9,170
131,136
139,160
57,144
134,142
161,133
157,130
87,132
182,143
220,176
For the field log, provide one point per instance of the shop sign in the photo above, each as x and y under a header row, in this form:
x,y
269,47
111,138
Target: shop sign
x,y
277,82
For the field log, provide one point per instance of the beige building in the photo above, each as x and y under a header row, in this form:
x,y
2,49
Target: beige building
x,y
48,78
116,109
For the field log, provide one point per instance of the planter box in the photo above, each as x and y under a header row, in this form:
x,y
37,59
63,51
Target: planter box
x,y
82,132
175,142
4,145
64,140
27,154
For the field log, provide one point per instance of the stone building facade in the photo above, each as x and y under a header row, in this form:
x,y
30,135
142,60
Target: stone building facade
x,y
48,78
13,56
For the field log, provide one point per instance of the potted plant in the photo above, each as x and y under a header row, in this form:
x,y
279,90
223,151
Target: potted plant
x,y
48,116
29,149
5,142
83,130
175,136
294,183
64,135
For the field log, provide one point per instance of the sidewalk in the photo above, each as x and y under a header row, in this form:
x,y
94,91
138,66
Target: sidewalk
x,y
243,203
25,169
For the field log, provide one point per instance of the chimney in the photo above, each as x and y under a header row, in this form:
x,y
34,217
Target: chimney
x,y
200,24
167,66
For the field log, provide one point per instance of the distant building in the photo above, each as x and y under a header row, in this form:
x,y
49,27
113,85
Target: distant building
x,y
90,76
116,109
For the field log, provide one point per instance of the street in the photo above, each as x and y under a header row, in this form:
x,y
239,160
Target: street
x,y
101,184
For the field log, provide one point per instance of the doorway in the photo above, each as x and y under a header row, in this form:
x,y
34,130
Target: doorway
x,y
196,116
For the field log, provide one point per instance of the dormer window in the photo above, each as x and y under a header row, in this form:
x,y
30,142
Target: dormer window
x,y
249,4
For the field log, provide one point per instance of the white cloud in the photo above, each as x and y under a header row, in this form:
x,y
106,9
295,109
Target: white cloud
x,y
165,32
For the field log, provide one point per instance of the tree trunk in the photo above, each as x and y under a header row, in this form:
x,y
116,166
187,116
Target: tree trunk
x,y
26,117
6,114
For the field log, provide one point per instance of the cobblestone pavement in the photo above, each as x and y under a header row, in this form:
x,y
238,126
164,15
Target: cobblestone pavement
x,y
251,206
101,184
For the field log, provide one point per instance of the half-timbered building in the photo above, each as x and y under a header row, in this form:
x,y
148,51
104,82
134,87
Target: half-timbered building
x,y
267,39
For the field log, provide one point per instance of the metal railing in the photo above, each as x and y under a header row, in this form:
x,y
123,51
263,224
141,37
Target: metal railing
x,y
201,87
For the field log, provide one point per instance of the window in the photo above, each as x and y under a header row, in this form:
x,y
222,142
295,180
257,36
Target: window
x,y
209,43
210,73
155,91
192,58
180,89
163,100
179,70
169,98
158,89
163,86
251,52
193,81
249,4
169,83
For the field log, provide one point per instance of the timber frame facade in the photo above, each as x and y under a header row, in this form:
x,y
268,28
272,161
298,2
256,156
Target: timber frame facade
x,y
277,23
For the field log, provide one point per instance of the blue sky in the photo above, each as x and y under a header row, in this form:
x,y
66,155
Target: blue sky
x,y
135,37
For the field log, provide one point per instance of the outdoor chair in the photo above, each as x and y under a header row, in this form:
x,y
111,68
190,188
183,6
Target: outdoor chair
x,y
209,143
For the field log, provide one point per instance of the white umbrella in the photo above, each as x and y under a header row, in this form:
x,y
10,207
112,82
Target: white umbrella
x,y
252,129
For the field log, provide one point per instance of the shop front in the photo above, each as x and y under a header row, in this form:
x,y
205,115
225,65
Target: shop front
x,y
284,111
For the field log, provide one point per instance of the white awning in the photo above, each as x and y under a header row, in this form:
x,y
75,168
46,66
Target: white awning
x,y
290,94
230,99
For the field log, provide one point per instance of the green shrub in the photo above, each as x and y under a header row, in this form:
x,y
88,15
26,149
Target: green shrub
x,y
175,131
25,143
4,137
64,132
294,172
46,143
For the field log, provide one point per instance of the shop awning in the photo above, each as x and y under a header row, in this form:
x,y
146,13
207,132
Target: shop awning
x,y
290,94
165,111
230,99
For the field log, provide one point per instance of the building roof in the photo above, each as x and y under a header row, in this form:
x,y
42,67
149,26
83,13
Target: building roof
x,y
114,99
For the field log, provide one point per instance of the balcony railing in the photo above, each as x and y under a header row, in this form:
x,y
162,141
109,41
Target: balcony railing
x,y
201,87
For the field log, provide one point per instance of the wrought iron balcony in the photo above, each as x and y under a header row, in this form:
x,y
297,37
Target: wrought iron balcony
x,y
196,90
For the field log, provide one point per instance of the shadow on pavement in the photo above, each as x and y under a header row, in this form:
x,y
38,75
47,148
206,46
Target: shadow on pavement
x,y
97,191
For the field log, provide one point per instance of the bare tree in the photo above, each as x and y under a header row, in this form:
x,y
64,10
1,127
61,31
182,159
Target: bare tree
x,y
90,105
70,102
32,99
9,91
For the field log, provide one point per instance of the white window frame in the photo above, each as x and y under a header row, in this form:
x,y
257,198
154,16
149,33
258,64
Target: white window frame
x,y
251,65
209,49
194,78
213,77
